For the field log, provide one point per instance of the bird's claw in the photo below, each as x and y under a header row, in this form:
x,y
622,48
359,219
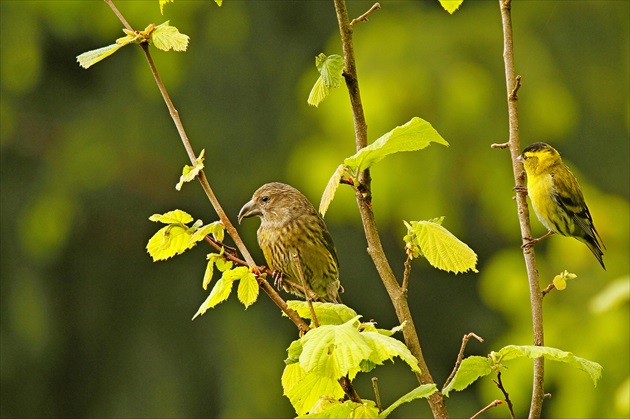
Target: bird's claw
x,y
278,278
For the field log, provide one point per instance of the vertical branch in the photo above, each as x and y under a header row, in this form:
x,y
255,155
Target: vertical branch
x,y
513,83
364,201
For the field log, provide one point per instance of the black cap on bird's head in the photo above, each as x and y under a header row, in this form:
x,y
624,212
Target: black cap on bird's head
x,y
276,201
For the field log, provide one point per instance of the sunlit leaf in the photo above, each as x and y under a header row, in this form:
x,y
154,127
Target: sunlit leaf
x,y
172,217
89,58
593,369
248,289
169,241
441,248
470,370
305,389
451,5
331,75
327,313
386,348
422,391
216,229
190,172
164,2
414,135
165,37
220,292
318,93
331,189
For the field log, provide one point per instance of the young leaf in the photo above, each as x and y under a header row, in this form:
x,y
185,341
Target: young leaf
x,y
318,93
165,37
327,313
331,76
216,229
441,248
248,289
190,172
334,351
305,389
169,241
471,369
593,369
162,3
89,58
424,390
172,217
451,5
414,135
219,293
331,189
385,348
221,263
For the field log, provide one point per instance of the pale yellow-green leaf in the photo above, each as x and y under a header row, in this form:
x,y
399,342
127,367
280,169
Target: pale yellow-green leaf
x,y
593,369
248,289
334,350
89,58
318,93
559,282
305,389
331,189
190,172
172,217
325,404
386,348
412,136
331,69
470,370
165,37
327,313
422,391
219,2
162,3
442,249
169,241
220,292
216,229
207,276
451,5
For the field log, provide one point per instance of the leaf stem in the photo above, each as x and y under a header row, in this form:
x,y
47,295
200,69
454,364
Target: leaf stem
x,y
499,384
364,201
377,395
513,84
488,407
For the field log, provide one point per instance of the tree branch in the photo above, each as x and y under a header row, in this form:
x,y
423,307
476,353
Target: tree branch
x,y
513,84
460,356
364,201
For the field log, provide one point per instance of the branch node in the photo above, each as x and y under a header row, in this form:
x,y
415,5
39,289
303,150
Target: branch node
x,y
364,16
517,86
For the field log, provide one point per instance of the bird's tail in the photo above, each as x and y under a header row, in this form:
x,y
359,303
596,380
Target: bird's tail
x,y
596,248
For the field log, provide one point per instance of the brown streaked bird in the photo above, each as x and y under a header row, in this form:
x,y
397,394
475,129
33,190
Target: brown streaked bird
x,y
290,225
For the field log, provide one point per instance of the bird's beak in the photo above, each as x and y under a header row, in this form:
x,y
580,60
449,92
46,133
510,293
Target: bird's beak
x,y
249,210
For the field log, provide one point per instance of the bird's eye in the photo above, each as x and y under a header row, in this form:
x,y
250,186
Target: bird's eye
x,y
265,198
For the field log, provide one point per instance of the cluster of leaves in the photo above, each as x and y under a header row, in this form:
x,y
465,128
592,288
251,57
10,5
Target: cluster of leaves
x,y
475,367
177,237
341,346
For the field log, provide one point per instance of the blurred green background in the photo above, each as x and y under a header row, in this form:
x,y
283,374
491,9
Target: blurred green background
x,y
91,327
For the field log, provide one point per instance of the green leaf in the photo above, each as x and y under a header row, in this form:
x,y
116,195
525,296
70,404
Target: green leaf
x,y
248,289
190,172
593,369
331,189
327,313
471,369
334,350
422,391
451,5
414,135
216,229
219,293
218,2
172,217
331,75
386,348
221,263
165,37
305,389
329,408
89,58
169,241
441,248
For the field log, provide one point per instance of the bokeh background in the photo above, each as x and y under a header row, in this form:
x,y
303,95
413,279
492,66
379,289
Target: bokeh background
x,y
91,327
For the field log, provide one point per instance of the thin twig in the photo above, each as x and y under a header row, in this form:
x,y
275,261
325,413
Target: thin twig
x,y
364,16
460,356
499,384
500,145
548,289
405,283
364,201
377,395
512,84
111,4
307,294
490,406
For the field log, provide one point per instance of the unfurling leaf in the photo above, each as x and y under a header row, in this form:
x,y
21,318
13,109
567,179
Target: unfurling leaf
x,y
439,246
331,75
89,58
451,5
165,37
331,189
217,229
172,217
412,136
560,280
190,172
162,3
248,289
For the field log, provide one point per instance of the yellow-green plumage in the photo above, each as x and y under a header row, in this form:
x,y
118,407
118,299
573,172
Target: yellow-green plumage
x,y
557,197
289,226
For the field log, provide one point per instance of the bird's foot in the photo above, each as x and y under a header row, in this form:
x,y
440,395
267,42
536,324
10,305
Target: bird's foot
x,y
278,278
530,242
519,188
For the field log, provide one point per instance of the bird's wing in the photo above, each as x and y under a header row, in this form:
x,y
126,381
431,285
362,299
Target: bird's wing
x,y
568,195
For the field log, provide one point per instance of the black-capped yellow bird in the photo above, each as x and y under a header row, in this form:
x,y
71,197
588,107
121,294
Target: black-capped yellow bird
x,y
291,226
557,198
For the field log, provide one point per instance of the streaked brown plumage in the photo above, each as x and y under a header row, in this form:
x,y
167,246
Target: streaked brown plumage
x,y
290,225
